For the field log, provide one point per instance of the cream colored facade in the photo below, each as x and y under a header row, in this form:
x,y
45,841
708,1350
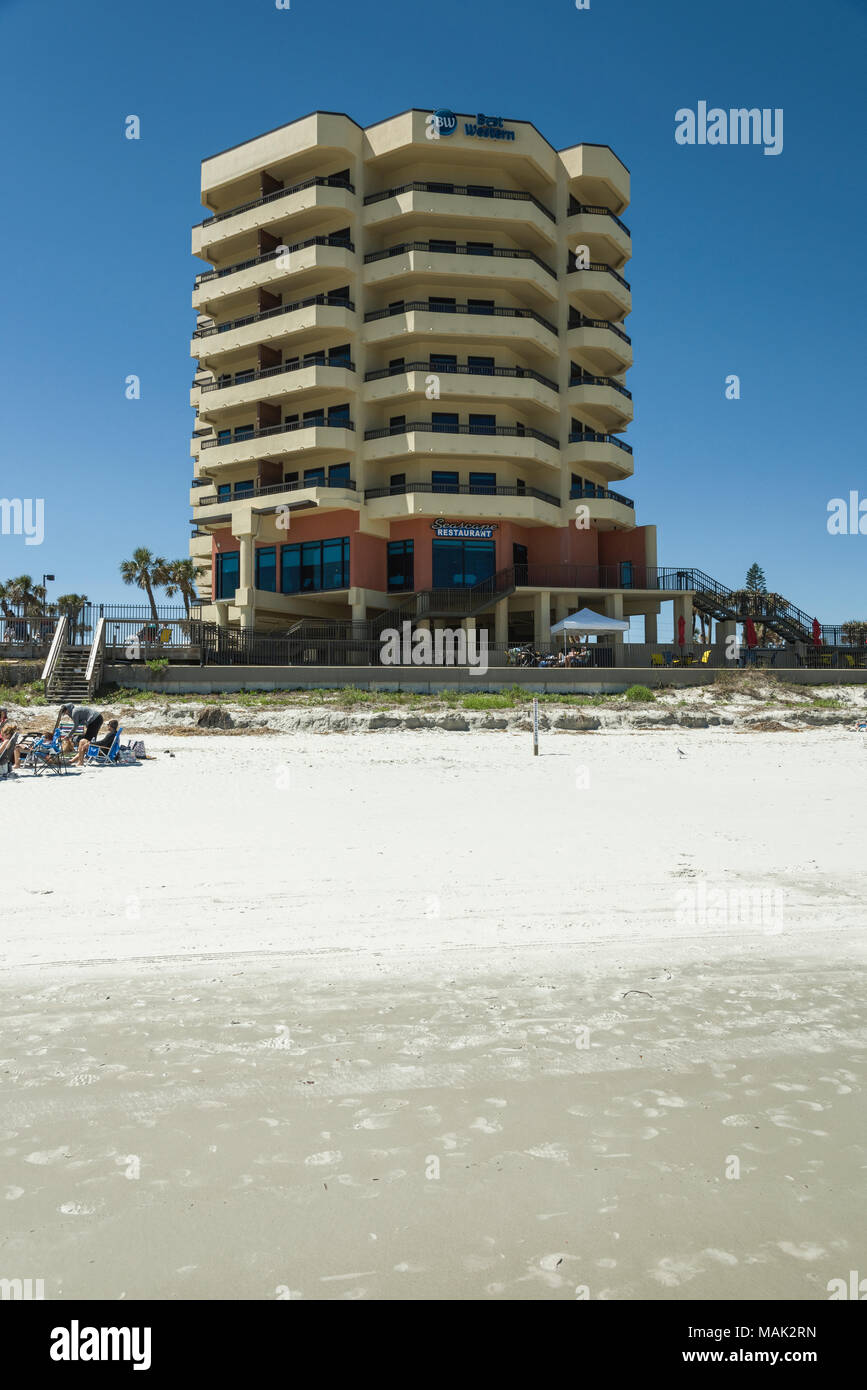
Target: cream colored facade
x,y
399,325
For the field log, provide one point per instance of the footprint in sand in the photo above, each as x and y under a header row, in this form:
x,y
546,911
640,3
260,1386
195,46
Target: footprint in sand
x,y
76,1209
47,1156
13,1193
321,1159
486,1126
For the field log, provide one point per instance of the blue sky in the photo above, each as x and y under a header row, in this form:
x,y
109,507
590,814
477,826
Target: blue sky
x,y
743,263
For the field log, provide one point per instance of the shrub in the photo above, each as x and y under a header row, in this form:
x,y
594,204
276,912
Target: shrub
x,y
639,694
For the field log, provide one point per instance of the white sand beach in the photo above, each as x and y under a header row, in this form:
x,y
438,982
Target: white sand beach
x,y
415,1015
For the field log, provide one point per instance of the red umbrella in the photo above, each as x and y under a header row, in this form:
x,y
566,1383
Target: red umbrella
x,y
817,632
681,631
752,636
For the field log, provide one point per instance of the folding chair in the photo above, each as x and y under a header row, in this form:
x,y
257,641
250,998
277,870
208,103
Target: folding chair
x,y
100,757
48,753
656,659
705,657
7,757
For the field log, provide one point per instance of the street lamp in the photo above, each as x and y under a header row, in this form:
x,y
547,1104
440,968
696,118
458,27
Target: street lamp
x,y
45,578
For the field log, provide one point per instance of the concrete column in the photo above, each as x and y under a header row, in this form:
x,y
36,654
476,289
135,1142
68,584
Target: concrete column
x,y
614,609
359,611
222,615
650,628
245,545
542,619
501,622
683,608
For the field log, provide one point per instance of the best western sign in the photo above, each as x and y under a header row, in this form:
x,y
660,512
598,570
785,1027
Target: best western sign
x,y
483,127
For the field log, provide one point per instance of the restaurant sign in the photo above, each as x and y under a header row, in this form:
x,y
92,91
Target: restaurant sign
x,y
463,530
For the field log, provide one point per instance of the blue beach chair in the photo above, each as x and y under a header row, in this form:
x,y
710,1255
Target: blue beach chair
x,y
48,753
101,757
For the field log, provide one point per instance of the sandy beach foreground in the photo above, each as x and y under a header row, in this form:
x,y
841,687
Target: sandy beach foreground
x,y
417,1015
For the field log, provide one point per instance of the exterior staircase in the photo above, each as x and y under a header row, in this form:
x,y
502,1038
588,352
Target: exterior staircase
x,y
68,682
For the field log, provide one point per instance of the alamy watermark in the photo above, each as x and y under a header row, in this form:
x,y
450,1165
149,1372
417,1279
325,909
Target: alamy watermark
x,y
705,905
23,516
444,647
737,126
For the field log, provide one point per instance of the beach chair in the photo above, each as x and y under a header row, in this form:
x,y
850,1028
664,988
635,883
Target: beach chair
x,y
101,757
705,657
656,659
7,757
850,660
47,753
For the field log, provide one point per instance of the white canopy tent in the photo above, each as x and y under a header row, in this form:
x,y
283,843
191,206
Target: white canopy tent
x,y
585,622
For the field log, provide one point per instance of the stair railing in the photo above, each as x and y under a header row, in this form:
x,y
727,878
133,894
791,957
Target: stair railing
x,y
96,660
58,643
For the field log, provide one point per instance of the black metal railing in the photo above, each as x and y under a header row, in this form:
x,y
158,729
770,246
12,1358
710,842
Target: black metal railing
x,y
318,424
472,190
335,301
585,379
582,321
436,308
241,378
429,427
597,266
460,489
575,208
207,275
605,493
270,489
455,368
594,437
330,181
455,250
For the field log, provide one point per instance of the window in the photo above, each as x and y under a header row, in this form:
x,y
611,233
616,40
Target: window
x,y
460,564
626,574
314,566
339,236
291,420
266,568
400,565
244,432
482,365
314,359
480,248
397,424
396,364
314,417
480,190
338,415
447,246
444,421
444,481
480,306
483,482
441,360
338,475
224,436
228,572
438,301
241,377
245,488
290,477
314,477
483,424
342,293
397,480
339,356
224,490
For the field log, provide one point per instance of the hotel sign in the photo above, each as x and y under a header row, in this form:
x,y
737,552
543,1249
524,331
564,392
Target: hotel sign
x,y
482,128
463,530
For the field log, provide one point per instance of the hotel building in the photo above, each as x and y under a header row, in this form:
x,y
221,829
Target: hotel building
x,y
412,379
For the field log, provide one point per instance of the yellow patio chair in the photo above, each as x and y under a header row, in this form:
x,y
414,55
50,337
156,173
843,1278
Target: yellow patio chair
x,y
705,657
849,659
656,659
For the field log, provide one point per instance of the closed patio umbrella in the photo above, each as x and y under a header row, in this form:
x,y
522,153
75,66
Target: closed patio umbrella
x,y
751,634
681,630
817,633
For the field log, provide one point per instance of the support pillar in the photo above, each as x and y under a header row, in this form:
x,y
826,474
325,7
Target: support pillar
x,y
650,628
542,620
501,622
614,609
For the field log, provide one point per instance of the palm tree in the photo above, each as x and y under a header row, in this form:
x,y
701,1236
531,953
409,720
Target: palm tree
x,y
21,591
179,577
69,606
142,571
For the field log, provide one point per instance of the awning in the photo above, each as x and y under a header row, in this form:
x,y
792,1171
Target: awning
x,y
586,621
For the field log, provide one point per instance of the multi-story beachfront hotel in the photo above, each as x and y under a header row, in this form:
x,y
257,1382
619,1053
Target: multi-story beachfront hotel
x,y
412,377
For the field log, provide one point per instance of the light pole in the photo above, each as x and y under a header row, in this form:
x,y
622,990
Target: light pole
x,y
46,578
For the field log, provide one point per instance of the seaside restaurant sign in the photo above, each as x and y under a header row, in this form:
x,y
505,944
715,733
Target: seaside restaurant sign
x,y
462,530
483,128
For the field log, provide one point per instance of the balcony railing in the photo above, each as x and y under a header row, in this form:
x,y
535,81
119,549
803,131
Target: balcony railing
x,y
606,493
587,380
317,424
454,368
594,437
597,266
272,256
582,321
270,489
435,308
460,489
328,182
575,207
241,378
471,190
429,427
434,249
329,299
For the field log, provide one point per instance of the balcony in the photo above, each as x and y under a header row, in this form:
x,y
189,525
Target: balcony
x,y
435,203
333,494
606,402
493,441
427,259
599,228
321,311
496,325
304,201
293,379
600,344
601,291
529,505
503,385
320,253
602,451
278,441
591,490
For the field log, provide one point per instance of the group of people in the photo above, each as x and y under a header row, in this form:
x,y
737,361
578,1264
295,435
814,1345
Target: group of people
x,y
526,656
80,729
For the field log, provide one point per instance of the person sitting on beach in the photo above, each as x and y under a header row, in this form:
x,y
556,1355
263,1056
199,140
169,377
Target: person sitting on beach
x,y
103,743
8,730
